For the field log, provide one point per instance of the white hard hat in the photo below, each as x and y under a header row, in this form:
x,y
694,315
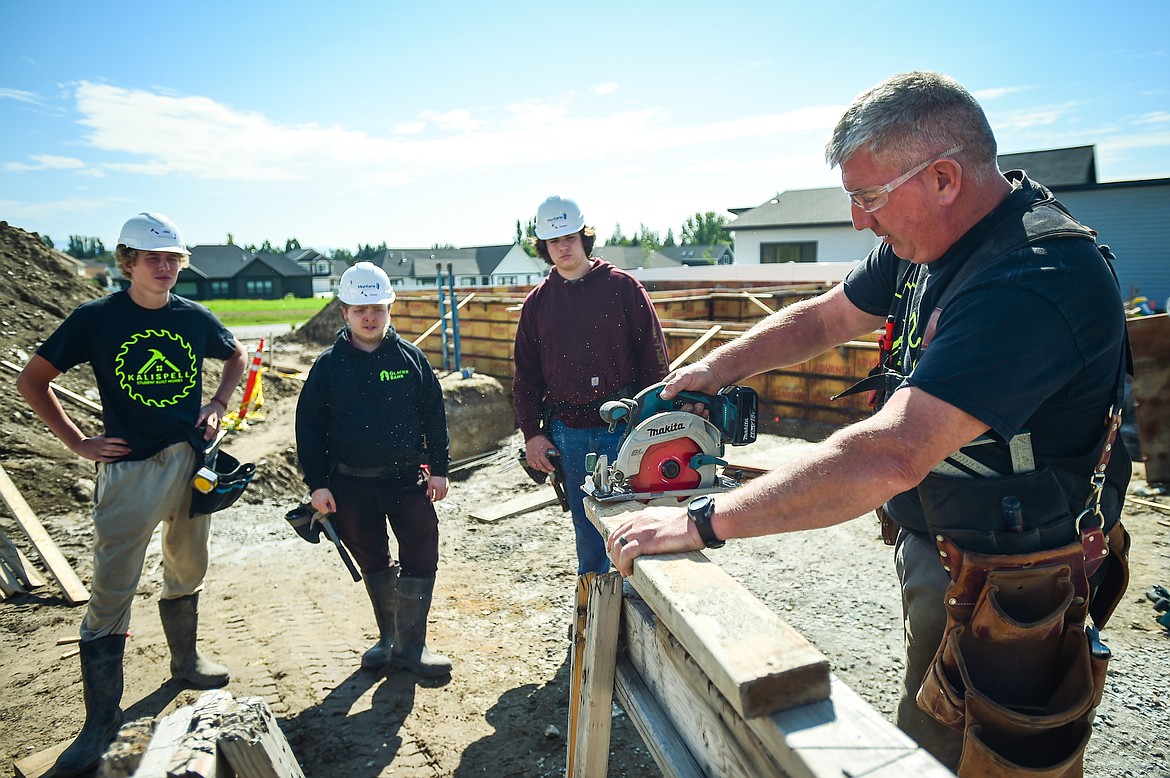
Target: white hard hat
x,y
557,216
365,284
152,232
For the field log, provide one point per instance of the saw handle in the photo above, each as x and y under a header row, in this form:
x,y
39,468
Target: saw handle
x,y
616,411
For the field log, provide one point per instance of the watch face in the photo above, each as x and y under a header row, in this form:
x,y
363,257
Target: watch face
x,y
701,503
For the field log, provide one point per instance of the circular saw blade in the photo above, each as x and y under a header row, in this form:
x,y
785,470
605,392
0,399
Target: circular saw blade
x,y
667,467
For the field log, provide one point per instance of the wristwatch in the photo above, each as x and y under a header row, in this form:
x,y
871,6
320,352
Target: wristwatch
x,y
700,510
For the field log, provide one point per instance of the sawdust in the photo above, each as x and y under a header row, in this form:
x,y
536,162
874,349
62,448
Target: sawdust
x,y
286,618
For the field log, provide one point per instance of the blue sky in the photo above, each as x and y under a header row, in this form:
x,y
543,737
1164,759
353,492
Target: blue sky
x,y
418,123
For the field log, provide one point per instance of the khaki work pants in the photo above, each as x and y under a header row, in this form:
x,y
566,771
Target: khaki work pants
x,y
132,498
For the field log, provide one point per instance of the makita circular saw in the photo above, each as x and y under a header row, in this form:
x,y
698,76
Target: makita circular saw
x,y
669,452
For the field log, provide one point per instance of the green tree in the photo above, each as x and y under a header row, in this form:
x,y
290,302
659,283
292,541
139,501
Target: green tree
x,y
85,247
618,239
231,241
435,246
704,229
669,238
292,244
526,236
647,239
47,241
345,255
366,252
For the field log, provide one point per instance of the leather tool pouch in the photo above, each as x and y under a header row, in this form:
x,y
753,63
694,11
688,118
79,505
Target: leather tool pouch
x,y
1014,671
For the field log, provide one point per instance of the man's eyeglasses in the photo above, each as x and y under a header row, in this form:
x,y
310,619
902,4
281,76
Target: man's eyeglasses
x,y
873,197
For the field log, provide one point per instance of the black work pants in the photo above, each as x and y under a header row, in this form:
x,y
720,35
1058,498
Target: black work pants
x,y
363,507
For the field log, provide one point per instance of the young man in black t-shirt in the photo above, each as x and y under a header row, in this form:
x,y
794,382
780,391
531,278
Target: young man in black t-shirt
x,y
146,347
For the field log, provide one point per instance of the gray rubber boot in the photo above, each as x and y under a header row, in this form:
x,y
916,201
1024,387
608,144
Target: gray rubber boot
x,y
180,621
382,587
410,642
101,682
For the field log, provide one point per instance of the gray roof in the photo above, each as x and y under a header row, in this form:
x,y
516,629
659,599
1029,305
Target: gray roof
x,y
697,255
420,263
829,206
218,261
1074,166
304,255
631,257
282,265
797,208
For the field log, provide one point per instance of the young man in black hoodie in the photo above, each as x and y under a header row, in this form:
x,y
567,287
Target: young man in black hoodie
x,y
372,442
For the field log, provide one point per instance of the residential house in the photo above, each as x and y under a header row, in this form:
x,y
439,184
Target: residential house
x,y
325,272
710,254
634,257
495,265
272,276
815,225
231,272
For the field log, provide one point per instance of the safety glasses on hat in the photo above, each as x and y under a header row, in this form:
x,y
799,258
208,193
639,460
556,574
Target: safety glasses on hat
x,y
873,197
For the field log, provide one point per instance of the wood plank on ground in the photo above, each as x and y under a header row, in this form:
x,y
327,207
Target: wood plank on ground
x,y
75,592
759,662
15,560
41,763
71,396
514,507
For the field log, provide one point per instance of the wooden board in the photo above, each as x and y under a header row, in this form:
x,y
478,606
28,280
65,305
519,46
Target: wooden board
x,y
15,560
41,763
75,592
757,661
589,740
1149,337
695,708
663,741
521,504
71,396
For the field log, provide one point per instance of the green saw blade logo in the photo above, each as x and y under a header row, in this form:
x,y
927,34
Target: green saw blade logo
x,y
156,368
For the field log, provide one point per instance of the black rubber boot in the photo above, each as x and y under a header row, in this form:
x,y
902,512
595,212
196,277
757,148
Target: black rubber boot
x,y
382,587
101,680
410,642
180,621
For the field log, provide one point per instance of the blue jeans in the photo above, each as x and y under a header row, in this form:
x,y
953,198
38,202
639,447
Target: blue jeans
x,y
574,444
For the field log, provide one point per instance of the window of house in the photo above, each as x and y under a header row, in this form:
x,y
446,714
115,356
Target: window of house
x,y
219,288
187,289
258,287
788,252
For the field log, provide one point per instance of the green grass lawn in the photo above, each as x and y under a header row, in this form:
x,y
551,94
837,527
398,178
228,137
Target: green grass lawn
x,y
288,310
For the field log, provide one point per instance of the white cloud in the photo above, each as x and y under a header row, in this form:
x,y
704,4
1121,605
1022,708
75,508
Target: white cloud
x,y
983,95
45,162
608,88
156,134
1154,117
21,96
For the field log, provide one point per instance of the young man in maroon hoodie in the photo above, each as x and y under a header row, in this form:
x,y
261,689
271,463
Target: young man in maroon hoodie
x,y
588,333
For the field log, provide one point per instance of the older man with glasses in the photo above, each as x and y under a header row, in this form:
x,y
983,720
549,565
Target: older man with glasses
x,y
990,457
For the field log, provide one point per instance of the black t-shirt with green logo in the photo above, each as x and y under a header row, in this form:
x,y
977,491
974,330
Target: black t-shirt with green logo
x,y
148,364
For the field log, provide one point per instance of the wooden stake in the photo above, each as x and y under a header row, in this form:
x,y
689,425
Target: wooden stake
x,y
439,323
706,336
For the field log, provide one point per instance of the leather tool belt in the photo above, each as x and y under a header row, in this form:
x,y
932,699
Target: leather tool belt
x,y
1018,671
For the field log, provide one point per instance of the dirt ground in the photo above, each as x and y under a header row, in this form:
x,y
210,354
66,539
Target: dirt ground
x,y
291,625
